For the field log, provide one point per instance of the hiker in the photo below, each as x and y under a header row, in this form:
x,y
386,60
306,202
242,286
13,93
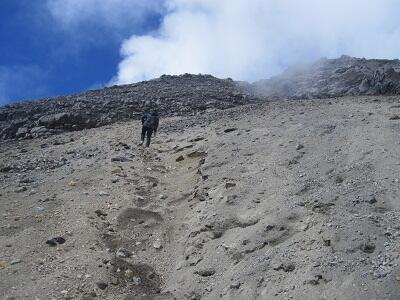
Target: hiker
x,y
149,126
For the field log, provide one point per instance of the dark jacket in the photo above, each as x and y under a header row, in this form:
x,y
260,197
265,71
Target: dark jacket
x,y
150,120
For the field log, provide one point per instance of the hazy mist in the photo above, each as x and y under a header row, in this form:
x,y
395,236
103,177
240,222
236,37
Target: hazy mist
x,y
255,39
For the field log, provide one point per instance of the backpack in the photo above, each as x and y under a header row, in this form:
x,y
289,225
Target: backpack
x,y
150,121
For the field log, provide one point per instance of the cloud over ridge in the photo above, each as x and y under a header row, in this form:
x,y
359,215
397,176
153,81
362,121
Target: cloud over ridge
x,y
252,39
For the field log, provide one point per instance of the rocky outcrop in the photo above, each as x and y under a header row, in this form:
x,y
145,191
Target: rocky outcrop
x,y
173,95
325,78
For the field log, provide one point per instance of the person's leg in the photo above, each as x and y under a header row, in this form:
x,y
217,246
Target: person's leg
x,y
149,133
143,135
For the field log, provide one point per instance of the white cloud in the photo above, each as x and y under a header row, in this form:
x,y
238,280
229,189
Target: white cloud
x,y
252,39
116,14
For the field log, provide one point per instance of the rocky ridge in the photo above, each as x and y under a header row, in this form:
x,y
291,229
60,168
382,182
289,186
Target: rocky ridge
x,y
344,76
173,95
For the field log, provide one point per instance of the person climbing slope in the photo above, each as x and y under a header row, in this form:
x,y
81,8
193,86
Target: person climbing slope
x,y
149,126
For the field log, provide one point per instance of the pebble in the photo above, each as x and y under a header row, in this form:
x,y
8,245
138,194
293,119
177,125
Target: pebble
x,y
230,130
157,244
235,285
102,285
20,189
205,272
123,253
54,241
15,261
229,185
367,248
231,199
120,159
100,213
180,158
3,264
136,280
128,274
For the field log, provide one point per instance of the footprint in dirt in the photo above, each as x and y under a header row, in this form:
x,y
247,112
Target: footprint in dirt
x,y
151,181
132,217
142,276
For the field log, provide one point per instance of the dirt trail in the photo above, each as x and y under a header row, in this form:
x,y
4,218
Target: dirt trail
x,y
287,200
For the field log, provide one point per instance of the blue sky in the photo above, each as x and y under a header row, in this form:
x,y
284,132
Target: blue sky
x,y
58,47
45,53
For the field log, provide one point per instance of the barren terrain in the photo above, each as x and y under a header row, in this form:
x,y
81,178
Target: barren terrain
x,y
282,200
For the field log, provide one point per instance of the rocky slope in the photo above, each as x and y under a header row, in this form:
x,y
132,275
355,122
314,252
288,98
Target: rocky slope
x,y
281,200
193,94
174,95
335,77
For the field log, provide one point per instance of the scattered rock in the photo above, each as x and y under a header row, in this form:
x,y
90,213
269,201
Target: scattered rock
x,y
136,280
196,139
120,159
339,179
183,146
21,189
229,185
231,199
128,274
195,154
15,261
327,242
180,158
54,241
102,285
123,145
100,213
3,264
235,285
5,169
138,197
299,146
285,267
123,253
205,272
157,244
21,132
316,280
367,248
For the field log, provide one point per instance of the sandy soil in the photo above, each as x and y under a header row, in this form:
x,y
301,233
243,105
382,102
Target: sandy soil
x,y
285,200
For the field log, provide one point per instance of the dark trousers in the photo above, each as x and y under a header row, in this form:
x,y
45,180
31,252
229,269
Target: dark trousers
x,y
147,132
